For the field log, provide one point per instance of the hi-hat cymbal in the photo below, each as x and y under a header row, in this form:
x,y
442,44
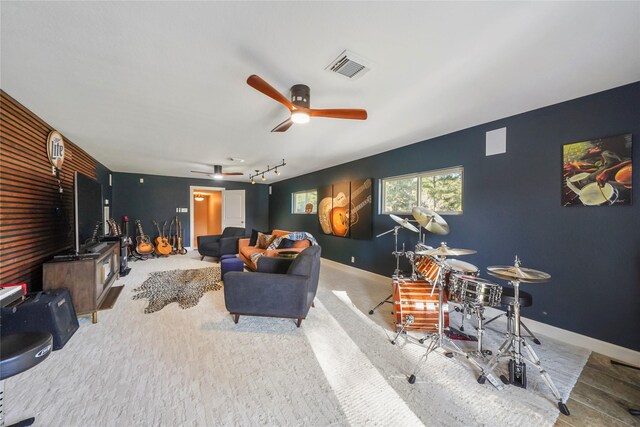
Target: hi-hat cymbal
x,y
521,274
405,223
444,250
430,220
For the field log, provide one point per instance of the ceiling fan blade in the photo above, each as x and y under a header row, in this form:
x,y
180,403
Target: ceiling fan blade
x,y
282,127
202,172
340,113
261,86
232,173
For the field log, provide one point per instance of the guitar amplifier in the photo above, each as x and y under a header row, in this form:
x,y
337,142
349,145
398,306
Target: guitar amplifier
x,y
51,311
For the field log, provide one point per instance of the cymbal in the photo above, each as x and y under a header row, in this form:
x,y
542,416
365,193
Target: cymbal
x,y
521,274
444,250
430,220
405,223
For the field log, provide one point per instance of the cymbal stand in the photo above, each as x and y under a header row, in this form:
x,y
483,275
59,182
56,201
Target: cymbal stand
x,y
396,272
441,339
512,346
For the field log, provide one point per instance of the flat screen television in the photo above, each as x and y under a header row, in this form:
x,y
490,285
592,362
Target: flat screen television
x,y
88,211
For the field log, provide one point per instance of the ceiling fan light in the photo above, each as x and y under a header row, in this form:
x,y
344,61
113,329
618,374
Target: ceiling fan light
x,y
217,176
299,117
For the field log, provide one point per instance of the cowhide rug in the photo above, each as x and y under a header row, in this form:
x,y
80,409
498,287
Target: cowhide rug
x,y
185,287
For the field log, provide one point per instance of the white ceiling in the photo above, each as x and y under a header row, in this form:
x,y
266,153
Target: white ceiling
x,y
159,88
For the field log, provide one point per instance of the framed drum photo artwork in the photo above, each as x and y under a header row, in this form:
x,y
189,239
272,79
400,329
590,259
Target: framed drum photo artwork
x,y
597,172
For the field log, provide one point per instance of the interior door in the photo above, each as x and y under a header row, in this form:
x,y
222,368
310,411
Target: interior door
x,y
233,208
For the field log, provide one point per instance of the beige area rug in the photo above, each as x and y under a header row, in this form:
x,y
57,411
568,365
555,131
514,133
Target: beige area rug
x,y
196,367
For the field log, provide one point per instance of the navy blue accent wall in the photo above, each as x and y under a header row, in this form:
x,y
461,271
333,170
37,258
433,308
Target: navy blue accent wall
x,y
159,196
512,206
102,176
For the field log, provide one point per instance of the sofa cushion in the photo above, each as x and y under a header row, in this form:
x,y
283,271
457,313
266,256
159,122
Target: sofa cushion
x,y
264,240
247,251
286,244
254,236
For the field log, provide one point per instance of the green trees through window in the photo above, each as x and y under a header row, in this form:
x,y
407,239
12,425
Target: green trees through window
x,y
439,190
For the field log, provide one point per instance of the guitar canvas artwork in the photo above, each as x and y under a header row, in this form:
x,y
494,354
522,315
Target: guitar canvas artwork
x,y
345,209
597,172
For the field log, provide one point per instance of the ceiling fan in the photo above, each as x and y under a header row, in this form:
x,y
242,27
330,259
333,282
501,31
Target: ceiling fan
x,y
217,172
299,104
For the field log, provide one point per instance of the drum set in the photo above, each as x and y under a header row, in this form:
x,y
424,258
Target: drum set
x,y
421,304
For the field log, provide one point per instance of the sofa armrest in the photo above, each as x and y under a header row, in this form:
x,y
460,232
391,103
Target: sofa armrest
x,y
243,243
229,245
206,240
274,264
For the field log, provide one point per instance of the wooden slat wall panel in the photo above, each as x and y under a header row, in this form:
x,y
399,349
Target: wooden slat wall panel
x,y
36,221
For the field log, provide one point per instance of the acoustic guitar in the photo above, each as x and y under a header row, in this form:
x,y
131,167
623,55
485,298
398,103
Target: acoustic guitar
x,y
144,246
343,218
162,243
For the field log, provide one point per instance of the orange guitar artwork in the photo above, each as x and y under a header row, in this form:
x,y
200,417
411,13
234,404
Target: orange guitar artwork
x,y
343,218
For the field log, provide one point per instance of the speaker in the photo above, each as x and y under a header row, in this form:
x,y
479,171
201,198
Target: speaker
x,y
51,311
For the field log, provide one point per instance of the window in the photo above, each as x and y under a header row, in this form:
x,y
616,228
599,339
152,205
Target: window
x,y
304,202
439,190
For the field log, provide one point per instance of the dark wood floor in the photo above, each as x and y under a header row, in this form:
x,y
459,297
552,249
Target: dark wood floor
x,y
603,395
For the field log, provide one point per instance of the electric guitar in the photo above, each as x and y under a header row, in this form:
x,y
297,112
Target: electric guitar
x,y
94,236
144,246
343,218
162,243
179,248
172,238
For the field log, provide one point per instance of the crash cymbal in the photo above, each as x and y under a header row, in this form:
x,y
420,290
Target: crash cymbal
x,y
521,274
444,250
430,220
405,223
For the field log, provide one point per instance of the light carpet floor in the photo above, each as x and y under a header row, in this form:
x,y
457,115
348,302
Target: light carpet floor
x,y
195,367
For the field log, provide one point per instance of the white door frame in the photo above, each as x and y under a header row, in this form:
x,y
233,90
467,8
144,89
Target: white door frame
x,y
196,188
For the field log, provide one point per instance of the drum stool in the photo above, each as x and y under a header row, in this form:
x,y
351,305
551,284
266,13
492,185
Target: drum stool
x,y
19,352
507,299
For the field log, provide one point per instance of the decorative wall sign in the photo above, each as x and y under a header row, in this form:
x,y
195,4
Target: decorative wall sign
x,y
597,172
345,209
55,149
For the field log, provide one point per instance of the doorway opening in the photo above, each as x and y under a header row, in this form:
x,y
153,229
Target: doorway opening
x,y
206,213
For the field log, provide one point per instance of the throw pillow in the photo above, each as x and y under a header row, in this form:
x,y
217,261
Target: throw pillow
x,y
264,240
254,236
286,244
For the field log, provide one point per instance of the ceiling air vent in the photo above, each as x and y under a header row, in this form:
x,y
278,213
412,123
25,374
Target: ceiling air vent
x,y
348,65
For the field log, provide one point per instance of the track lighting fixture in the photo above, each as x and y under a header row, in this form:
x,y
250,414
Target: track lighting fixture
x,y
269,169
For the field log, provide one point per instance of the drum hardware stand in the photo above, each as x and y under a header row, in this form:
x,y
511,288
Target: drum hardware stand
x,y
509,314
409,319
396,272
467,310
441,339
513,345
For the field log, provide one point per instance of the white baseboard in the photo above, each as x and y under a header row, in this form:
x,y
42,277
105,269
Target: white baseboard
x,y
608,349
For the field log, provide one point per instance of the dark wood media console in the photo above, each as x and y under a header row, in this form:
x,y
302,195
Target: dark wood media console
x,y
88,279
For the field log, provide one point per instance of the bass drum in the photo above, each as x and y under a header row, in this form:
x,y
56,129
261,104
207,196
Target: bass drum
x,y
414,298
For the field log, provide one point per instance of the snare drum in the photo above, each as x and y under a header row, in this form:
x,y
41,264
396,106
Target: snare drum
x,y
427,268
474,291
414,297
